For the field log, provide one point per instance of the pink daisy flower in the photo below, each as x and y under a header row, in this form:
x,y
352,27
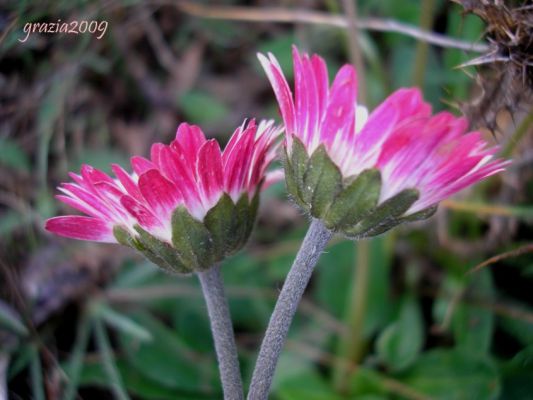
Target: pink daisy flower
x,y
404,155
191,182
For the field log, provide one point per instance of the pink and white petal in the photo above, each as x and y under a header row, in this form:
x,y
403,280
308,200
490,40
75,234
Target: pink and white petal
x,y
234,139
160,194
301,97
140,165
339,118
94,175
237,165
90,198
82,228
155,152
322,82
127,182
189,139
281,90
273,177
80,206
209,172
181,174
142,214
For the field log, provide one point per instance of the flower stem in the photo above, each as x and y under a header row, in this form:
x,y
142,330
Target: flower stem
x,y
223,336
314,243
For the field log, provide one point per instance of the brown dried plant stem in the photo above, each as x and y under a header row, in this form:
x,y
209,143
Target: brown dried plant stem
x,y
277,14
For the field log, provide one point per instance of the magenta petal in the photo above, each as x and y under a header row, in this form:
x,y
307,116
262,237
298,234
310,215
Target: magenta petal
x,y
209,170
82,228
90,198
281,90
80,205
155,153
189,139
140,165
340,113
127,182
143,215
322,81
93,175
237,164
181,174
160,194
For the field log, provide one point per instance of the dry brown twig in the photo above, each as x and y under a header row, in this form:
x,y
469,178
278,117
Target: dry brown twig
x,y
284,15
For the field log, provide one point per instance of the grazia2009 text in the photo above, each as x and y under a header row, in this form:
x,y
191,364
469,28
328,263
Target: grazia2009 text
x,y
98,28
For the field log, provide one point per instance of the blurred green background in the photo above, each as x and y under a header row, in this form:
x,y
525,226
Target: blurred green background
x,y
401,316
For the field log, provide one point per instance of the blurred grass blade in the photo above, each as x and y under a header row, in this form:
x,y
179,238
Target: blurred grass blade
x,y
12,155
36,376
102,342
124,324
490,209
10,320
76,358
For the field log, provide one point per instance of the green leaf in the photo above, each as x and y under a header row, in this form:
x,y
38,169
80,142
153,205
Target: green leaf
x,y
367,382
322,182
516,376
10,320
122,323
333,277
167,359
401,342
77,353
355,200
453,375
192,240
138,384
473,326
36,376
297,379
108,360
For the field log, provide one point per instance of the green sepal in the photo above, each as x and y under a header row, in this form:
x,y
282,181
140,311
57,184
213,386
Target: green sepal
x,y
123,236
355,201
385,216
221,221
159,252
421,215
298,162
290,179
192,240
322,182
245,219
252,214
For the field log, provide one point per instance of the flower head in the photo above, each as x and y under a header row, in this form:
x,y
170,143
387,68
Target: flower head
x,y
364,173
186,208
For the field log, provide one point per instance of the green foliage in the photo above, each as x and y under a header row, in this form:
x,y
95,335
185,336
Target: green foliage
x,y
400,343
454,375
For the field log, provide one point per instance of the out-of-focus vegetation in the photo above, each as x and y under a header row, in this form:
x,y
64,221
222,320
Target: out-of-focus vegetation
x,y
398,317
